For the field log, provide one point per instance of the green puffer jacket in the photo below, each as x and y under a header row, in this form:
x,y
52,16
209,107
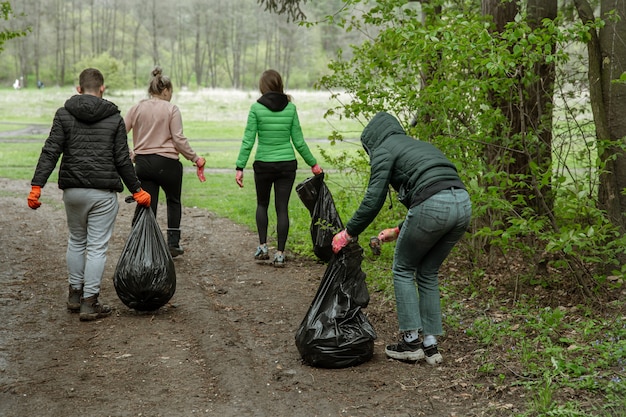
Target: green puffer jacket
x,y
275,120
409,165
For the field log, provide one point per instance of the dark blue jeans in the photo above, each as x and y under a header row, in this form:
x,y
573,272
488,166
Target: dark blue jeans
x,y
428,234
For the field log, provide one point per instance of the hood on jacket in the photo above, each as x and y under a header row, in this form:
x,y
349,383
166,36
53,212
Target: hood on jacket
x,y
274,101
378,129
90,109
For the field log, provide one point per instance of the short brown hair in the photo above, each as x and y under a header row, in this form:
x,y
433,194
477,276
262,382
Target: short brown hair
x,y
91,79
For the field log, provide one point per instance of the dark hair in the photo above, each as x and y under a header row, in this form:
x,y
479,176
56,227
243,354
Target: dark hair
x,y
159,82
91,79
271,81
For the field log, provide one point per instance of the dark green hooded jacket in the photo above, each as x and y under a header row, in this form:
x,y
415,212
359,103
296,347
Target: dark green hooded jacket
x,y
415,169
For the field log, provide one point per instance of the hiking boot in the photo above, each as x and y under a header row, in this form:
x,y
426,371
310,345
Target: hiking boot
x,y
73,300
405,351
91,309
261,253
279,260
173,242
433,357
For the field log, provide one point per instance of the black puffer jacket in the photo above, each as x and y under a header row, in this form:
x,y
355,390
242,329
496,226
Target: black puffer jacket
x,y
412,167
90,133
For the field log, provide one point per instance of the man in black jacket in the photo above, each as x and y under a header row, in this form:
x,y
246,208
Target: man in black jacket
x,y
90,133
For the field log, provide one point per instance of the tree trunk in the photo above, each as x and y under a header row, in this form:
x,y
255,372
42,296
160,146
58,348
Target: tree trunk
x,y
528,138
154,33
538,110
607,55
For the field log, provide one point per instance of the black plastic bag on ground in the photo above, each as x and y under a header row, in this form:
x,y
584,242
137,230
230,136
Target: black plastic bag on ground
x,y
145,277
325,220
335,333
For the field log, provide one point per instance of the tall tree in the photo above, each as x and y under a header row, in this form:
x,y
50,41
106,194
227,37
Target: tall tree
x,y
526,149
154,29
60,19
607,63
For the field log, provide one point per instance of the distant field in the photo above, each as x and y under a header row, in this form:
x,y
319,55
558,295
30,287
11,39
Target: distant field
x,y
207,113
213,121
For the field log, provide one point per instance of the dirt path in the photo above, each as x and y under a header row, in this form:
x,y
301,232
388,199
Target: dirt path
x,y
224,346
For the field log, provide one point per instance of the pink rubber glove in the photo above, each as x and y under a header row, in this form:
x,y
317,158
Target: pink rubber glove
x,y
33,197
341,240
200,169
389,235
316,169
239,178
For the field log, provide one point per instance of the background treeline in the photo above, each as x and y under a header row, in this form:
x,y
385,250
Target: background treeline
x,y
199,43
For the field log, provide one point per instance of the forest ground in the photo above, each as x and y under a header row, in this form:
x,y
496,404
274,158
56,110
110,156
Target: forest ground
x,y
224,345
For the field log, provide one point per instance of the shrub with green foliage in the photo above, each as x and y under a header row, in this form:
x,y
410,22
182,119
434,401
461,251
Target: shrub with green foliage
x,y
115,78
443,73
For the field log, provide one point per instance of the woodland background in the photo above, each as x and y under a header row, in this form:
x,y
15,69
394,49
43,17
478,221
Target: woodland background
x,y
199,43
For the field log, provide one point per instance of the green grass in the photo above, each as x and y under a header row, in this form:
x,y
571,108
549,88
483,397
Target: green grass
x,y
216,114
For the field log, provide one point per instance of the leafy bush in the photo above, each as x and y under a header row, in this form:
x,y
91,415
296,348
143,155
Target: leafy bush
x,y
115,78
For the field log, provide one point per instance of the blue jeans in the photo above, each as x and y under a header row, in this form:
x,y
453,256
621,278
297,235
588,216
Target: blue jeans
x,y
428,234
91,216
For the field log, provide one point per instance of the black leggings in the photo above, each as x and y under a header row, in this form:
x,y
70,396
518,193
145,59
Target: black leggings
x,y
155,172
281,175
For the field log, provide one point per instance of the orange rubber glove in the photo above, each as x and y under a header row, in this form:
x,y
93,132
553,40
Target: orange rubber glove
x,y
33,197
341,240
200,169
389,235
239,178
316,169
142,198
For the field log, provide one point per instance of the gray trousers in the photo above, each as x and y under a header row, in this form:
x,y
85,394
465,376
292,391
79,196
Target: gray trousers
x,y
91,216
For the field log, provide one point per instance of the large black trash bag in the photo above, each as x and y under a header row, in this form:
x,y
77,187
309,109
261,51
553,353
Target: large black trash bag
x,y
325,220
335,333
145,277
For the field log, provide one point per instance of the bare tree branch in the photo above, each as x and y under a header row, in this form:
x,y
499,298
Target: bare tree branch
x,y
289,7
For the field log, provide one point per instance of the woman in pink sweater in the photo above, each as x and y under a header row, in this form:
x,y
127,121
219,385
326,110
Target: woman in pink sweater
x,y
158,141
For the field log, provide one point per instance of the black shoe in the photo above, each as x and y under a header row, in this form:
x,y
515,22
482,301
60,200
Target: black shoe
x,y
176,250
173,242
406,351
433,357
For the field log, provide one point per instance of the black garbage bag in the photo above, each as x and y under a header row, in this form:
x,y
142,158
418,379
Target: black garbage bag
x,y
145,277
335,333
325,220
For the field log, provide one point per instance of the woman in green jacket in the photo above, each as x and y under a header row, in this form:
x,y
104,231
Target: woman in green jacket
x,y
273,118
439,211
